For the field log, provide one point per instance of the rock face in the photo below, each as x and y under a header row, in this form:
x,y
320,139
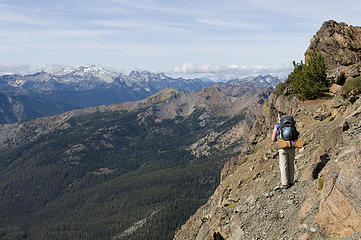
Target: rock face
x,y
340,45
340,207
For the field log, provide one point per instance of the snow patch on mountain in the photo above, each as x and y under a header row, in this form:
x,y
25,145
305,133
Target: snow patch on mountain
x,y
93,71
258,81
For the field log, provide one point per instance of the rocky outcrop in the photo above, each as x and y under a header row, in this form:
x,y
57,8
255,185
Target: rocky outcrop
x,y
340,207
340,45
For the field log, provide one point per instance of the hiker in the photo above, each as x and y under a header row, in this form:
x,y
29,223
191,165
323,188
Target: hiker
x,y
285,129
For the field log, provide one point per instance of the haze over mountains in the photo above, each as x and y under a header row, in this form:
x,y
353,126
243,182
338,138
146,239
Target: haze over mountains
x,y
43,94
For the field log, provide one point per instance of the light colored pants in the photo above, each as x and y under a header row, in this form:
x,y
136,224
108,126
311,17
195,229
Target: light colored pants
x,y
287,167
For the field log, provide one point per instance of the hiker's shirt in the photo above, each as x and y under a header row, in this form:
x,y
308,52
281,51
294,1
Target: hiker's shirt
x,y
278,131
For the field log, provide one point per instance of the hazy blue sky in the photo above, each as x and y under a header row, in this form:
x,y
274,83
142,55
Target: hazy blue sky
x,y
172,36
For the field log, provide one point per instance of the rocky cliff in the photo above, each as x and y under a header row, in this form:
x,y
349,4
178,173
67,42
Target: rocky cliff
x,y
340,45
325,202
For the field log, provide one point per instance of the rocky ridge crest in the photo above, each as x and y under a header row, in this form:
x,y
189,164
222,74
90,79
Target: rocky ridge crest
x,y
340,45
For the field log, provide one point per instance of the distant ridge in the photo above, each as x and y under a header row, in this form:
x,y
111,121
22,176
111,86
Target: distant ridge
x,y
44,94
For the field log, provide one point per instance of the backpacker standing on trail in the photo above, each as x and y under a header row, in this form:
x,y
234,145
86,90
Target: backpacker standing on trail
x,y
286,130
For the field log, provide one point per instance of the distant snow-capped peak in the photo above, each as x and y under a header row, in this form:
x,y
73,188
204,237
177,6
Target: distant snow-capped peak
x,y
90,69
95,71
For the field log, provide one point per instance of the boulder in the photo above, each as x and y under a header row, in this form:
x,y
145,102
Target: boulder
x,y
335,89
345,126
321,116
340,207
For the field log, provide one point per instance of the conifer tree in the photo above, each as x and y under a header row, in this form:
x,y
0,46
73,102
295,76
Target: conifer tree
x,y
308,80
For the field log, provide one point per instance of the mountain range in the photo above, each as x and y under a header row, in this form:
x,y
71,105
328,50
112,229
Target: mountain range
x,y
140,169
133,170
44,94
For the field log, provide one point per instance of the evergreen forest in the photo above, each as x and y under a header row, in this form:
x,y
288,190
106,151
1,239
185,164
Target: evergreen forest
x,y
109,176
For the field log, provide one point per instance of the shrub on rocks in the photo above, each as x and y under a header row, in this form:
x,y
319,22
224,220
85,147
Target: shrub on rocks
x,y
308,80
351,87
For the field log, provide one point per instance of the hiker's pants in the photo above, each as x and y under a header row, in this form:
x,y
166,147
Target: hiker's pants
x,y
287,167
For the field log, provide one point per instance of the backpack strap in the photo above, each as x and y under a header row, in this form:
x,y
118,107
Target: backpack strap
x,y
278,131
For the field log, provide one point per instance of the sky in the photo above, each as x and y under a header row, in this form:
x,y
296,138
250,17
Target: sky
x,y
206,38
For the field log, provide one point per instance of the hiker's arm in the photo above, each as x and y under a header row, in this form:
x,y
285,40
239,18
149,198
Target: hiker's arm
x,y
274,135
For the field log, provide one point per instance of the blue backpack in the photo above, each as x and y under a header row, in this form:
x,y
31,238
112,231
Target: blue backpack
x,y
288,129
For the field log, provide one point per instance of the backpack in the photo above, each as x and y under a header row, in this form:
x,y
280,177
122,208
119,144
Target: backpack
x,y
288,129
